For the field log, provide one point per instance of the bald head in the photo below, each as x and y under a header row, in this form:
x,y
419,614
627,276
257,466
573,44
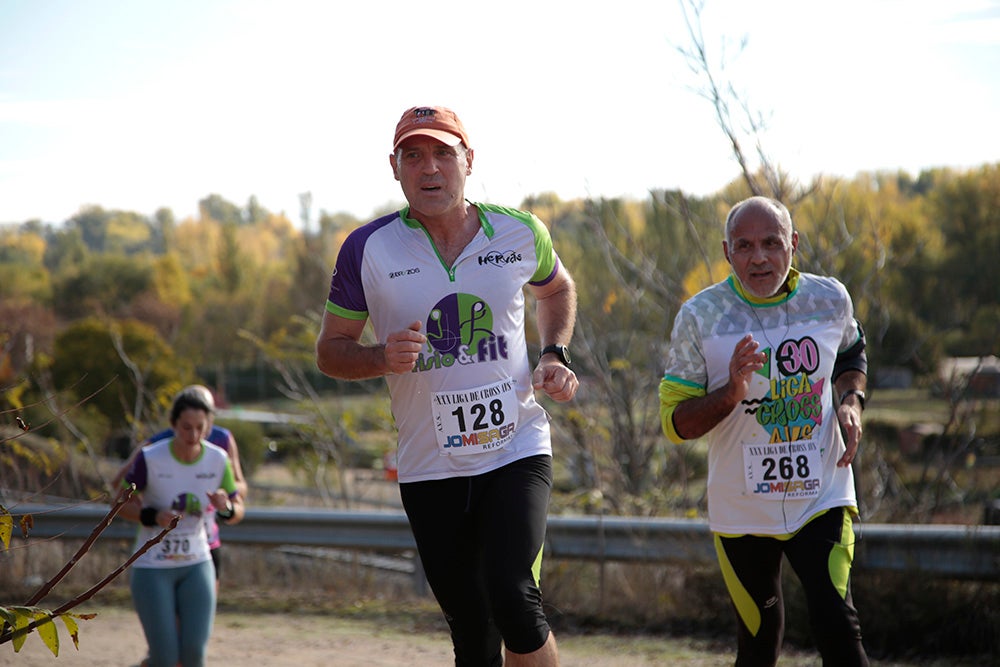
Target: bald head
x,y
759,245
759,205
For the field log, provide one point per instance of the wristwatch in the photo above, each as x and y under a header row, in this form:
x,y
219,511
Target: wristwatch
x,y
228,513
559,350
854,392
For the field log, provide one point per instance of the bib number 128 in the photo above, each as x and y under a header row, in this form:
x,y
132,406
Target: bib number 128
x,y
478,413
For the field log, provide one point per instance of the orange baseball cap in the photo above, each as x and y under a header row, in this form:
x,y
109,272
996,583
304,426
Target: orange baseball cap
x,y
437,122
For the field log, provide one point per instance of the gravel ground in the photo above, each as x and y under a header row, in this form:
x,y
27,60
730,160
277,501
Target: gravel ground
x,y
114,639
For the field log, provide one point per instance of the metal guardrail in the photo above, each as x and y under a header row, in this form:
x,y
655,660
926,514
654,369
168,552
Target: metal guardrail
x,y
950,551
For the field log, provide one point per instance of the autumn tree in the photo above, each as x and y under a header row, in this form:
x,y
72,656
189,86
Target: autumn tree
x,y
966,207
122,368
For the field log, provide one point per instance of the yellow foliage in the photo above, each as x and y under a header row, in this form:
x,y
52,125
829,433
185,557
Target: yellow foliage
x,y
19,618
701,277
69,620
6,527
47,632
127,231
266,243
26,246
609,301
634,218
170,282
197,244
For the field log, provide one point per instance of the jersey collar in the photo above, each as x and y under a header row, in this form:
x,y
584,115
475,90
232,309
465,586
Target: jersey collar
x,y
791,285
404,215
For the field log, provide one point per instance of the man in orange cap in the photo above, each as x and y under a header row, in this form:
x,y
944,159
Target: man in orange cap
x,y
443,281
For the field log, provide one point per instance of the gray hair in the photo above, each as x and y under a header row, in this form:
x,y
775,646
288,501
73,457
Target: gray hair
x,y
760,203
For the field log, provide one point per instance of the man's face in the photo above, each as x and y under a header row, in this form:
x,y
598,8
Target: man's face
x,y
760,248
431,174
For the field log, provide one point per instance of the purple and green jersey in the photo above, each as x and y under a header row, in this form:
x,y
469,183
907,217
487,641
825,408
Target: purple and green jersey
x,y
468,405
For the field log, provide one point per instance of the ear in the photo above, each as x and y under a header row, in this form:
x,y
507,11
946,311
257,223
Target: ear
x,y
725,252
469,154
392,163
795,241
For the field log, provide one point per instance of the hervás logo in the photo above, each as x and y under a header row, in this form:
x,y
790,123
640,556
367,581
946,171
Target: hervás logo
x,y
460,330
496,258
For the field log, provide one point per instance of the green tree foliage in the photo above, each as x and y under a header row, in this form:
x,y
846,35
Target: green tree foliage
x,y
64,249
112,231
26,327
230,260
119,368
630,260
106,284
215,207
255,213
918,255
966,207
22,270
164,227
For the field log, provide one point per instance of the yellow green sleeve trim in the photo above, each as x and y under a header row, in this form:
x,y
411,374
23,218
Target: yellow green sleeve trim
x,y
672,392
334,309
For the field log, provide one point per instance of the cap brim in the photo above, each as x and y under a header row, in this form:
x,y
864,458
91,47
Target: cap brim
x,y
446,138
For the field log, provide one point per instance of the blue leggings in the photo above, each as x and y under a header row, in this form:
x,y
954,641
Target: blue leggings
x,y
176,607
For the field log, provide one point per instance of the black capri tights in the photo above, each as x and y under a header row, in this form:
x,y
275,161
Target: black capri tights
x,y
821,553
480,540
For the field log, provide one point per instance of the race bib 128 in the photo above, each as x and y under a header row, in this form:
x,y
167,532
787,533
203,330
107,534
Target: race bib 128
x,y
475,421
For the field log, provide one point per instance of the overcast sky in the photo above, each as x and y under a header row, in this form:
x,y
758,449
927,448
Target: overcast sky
x,y
138,105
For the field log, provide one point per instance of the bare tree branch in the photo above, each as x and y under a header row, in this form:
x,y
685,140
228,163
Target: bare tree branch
x,y
7,634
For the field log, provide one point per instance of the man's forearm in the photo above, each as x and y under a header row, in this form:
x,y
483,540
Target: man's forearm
x,y
695,417
346,359
556,316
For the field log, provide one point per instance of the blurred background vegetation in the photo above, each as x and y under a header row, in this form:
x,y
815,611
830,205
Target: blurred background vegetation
x,y
104,316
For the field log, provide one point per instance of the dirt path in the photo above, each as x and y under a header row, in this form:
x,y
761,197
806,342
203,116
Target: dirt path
x,y
114,639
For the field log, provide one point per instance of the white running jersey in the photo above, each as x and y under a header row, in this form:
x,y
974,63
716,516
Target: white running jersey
x,y
773,459
468,405
168,483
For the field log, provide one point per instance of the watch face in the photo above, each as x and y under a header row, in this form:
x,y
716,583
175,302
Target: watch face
x,y
559,350
564,354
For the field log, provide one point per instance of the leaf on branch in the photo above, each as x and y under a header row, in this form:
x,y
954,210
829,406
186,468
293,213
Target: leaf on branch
x,y
27,523
69,620
22,619
6,527
48,632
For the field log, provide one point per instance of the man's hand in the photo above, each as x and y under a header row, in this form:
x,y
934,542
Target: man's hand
x,y
746,361
403,347
556,380
849,417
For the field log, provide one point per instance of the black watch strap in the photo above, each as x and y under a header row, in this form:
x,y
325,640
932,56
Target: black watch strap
x,y
854,392
559,350
226,514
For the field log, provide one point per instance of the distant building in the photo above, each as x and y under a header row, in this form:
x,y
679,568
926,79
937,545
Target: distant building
x,y
893,377
979,375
